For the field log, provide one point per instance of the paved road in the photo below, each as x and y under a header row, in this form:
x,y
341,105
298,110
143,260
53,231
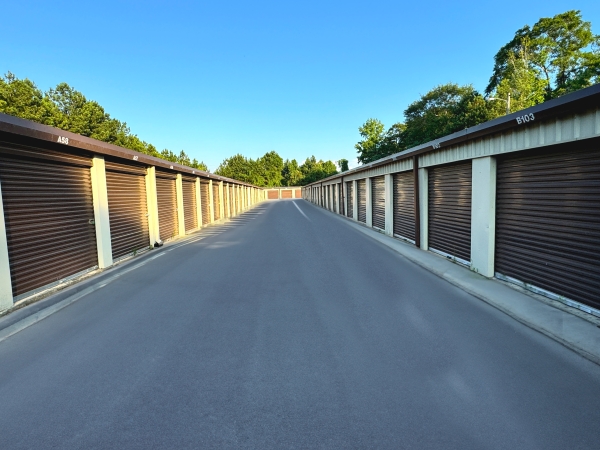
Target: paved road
x,y
290,330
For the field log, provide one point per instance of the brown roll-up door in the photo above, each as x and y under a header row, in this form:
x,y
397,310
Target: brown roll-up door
x,y
216,202
273,194
189,203
166,194
286,193
404,205
341,199
361,198
204,204
378,203
127,208
49,217
350,199
548,221
298,193
450,210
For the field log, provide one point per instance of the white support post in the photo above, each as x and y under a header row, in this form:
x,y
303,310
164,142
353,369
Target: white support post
x,y
101,218
198,202
6,293
248,197
369,196
293,193
221,201
424,207
211,201
483,215
355,200
180,209
152,205
389,204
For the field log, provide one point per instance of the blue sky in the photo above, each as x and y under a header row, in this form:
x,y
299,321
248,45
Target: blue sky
x,y
227,77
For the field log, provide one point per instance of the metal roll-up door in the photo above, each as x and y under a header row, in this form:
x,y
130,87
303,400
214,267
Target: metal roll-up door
x,y
361,198
216,202
272,195
350,199
450,210
189,203
298,193
49,215
286,193
378,203
204,203
404,205
127,208
341,200
166,193
548,221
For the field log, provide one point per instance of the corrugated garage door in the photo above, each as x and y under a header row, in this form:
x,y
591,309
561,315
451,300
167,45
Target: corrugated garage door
x,y
450,210
548,221
167,205
205,202
350,199
404,205
189,203
286,193
361,187
298,193
273,195
378,203
127,208
216,201
49,215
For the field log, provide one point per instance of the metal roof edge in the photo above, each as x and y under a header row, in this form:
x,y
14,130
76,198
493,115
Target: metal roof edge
x,y
551,107
28,128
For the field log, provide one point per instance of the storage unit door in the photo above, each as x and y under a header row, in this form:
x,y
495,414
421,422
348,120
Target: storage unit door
x,y
189,203
350,199
361,187
450,210
49,217
298,193
204,204
548,221
127,208
167,205
216,202
273,194
341,199
287,193
378,203
404,205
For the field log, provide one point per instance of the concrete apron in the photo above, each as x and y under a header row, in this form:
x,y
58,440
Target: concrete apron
x,y
574,329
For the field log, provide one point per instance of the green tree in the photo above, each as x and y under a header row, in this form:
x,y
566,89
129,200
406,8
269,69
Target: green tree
x,y
372,136
444,110
343,165
291,174
272,166
561,50
313,170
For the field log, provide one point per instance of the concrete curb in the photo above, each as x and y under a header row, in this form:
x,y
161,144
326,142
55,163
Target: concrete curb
x,y
574,332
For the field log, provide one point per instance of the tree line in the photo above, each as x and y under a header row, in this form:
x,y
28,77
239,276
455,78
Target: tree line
x,y
271,170
553,57
68,109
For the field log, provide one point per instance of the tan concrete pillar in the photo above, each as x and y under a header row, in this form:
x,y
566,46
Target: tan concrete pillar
x,y
389,204
424,207
6,294
198,202
101,217
211,201
483,216
221,201
180,209
152,205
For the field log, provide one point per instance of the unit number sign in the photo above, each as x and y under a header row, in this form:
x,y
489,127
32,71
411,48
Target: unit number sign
x,y
526,118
